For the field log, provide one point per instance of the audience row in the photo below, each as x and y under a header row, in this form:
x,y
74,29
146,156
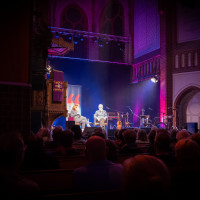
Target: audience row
x,y
171,161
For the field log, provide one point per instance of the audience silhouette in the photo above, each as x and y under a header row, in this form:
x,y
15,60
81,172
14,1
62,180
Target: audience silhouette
x,y
187,173
13,184
100,173
162,146
65,145
130,146
146,176
37,157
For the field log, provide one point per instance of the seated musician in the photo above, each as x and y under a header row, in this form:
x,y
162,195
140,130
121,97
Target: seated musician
x,y
101,116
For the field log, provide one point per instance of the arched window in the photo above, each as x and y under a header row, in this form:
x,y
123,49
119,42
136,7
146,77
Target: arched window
x,y
112,19
195,59
112,23
183,60
73,17
176,61
189,59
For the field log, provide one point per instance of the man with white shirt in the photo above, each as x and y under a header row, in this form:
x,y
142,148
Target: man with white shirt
x,y
101,116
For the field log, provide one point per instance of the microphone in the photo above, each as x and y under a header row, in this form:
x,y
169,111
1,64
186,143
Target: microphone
x,y
108,108
150,108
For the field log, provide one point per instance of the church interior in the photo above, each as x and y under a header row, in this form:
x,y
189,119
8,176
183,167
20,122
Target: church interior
x,y
140,59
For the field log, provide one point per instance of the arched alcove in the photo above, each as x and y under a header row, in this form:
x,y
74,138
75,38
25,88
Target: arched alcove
x,y
181,105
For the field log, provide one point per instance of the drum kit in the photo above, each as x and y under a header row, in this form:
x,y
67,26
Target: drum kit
x,y
166,122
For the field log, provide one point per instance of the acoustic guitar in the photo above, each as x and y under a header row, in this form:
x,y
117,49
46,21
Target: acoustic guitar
x,y
119,123
127,122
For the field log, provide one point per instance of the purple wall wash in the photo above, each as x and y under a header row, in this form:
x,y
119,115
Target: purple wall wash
x,y
146,26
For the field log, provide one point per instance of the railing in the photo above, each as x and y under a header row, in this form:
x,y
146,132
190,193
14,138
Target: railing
x,y
146,69
87,34
89,45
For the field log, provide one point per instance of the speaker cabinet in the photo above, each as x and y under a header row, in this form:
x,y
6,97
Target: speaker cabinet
x,y
111,134
88,131
69,124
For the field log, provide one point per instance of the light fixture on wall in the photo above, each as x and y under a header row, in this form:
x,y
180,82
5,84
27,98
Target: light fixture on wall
x,y
155,79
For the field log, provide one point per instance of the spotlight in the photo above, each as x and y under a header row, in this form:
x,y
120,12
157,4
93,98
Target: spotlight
x,y
155,79
101,42
81,38
121,45
106,40
70,36
57,35
95,40
75,39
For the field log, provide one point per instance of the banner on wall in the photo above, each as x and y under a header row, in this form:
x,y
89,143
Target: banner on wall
x,y
58,85
73,97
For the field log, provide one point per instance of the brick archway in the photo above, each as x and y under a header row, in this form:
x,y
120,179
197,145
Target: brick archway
x,y
181,103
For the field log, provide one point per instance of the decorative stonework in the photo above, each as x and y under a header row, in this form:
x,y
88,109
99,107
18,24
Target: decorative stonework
x,y
43,102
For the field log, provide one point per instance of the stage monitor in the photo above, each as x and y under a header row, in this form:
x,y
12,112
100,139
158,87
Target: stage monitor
x,y
69,124
88,131
191,127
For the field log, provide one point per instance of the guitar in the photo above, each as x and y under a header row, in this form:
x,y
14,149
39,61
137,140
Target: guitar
x,y
127,122
119,123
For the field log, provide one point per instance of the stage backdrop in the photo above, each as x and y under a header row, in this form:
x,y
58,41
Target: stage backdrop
x,y
74,97
108,84
104,83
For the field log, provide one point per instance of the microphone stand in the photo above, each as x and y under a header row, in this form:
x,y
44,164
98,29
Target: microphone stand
x,y
130,109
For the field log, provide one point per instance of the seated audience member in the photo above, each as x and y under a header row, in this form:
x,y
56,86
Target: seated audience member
x,y
162,146
55,137
182,134
151,138
173,134
146,176
44,133
120,138
187,174
130,146
112,153
142,136
78,137
187,152
99,132
36,156
100,173
13,185
65,144
196,138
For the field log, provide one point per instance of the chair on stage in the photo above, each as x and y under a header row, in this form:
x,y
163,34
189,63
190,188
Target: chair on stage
x,y
72,119
97,122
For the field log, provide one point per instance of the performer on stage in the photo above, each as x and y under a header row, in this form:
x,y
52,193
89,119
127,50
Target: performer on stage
x,y
101,116
78,118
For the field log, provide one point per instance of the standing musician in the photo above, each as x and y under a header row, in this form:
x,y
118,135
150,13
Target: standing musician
x,y
101,116
78,118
